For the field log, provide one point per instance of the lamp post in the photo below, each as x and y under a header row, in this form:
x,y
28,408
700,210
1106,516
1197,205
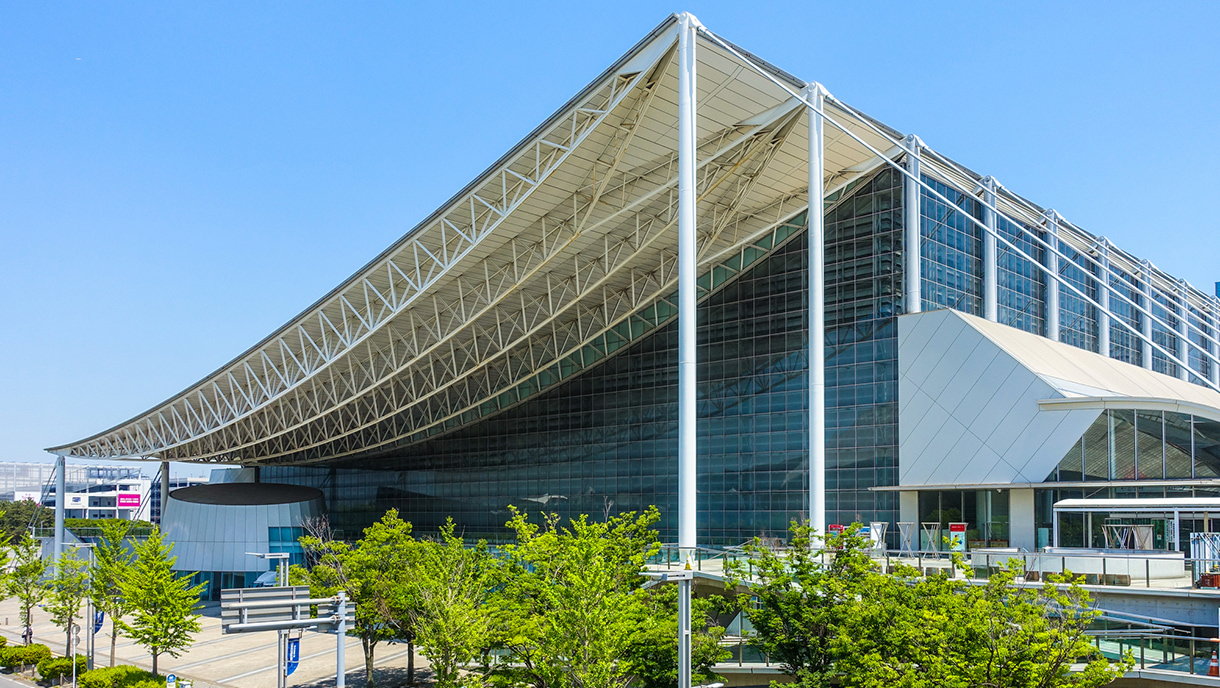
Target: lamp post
x,y
88,613
281,642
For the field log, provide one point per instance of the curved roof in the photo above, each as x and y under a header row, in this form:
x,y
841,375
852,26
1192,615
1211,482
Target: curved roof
x,y
560,253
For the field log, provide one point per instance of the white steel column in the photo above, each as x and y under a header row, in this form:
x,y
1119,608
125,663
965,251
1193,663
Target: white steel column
x,y
817,316
912,240
1103,299
1052,280
687,388
1146,318
1183,331
990,307
1211,326
61,465
164,490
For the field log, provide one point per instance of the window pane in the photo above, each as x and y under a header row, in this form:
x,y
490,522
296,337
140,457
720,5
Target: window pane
x,y
1150,444
1122,445
1177,445
1207,448
1097,450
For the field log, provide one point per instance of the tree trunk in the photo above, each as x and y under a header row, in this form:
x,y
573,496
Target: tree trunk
x,y
411,662
114,636
154,663
369,680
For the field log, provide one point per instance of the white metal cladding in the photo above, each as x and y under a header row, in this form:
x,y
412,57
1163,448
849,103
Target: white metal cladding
x,y
983,403
557,256
216,537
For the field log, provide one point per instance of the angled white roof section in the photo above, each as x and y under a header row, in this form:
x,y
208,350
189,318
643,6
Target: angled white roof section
x,y
984,403
560,253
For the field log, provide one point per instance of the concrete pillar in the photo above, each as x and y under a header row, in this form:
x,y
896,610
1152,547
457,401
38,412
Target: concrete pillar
x,y
1022,528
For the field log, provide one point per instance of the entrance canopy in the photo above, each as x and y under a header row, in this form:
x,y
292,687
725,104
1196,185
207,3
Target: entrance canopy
x,y
1186,506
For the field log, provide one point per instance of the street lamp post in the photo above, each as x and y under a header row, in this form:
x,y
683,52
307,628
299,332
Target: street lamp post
x,y
281,642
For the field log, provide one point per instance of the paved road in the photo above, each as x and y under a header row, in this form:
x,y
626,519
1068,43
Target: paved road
x,y
6,682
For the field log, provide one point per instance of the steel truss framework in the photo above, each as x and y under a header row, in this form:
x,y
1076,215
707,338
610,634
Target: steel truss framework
x,y
563,253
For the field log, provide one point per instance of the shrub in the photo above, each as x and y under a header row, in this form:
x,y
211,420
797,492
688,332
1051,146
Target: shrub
x,y
3,641
23,655
122,676
60,667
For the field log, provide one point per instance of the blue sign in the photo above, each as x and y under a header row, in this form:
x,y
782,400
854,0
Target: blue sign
x,y
171,681
98,618
294,655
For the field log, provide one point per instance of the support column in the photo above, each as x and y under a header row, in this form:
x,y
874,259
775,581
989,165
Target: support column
x,y
1103,299
1145,318
1212,327
990,305
912,241
817,315
61,488
1022,529
1183,331
164,490
687,388
1052,280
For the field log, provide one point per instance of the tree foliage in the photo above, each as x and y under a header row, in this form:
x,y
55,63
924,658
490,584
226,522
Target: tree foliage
x,y
18,517
372,573
66,592
24,581
449,586
163,604
112,561
830,616
571,599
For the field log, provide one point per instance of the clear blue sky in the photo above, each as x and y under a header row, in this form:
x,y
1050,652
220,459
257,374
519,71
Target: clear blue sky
x,y
179,179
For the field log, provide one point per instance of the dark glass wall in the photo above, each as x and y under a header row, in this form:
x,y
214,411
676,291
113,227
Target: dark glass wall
x,y
606,441
864,261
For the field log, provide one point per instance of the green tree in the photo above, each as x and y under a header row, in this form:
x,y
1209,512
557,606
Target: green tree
x,y
66,591
653,654
571,598
162,603
112,560
19,517
799,597
919,632
25,581
372,573
829,615
449,585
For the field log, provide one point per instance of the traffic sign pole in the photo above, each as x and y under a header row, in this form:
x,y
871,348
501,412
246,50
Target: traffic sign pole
x,y
341,638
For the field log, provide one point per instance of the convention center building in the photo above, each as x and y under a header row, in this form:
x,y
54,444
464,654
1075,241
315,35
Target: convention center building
x,y
985,360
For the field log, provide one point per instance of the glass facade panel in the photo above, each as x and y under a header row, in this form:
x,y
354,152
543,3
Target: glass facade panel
x,y
1164,310
1150,444
1207,448
1077,316
1178,452
1020,283
1097,449
952,250
1122,445
1124,344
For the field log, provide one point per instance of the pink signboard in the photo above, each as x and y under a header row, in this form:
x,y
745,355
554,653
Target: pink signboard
x,y
129,501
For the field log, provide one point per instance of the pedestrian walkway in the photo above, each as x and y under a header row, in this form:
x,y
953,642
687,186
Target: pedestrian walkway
x,y
215,660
